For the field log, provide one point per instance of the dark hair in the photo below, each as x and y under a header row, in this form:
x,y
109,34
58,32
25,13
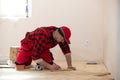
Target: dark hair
x,y
61,32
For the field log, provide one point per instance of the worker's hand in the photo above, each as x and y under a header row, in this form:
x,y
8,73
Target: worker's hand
x,y
54,67
71,68
57,67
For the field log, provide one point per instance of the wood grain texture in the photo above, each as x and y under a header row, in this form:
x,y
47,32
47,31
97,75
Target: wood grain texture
x,y
83,72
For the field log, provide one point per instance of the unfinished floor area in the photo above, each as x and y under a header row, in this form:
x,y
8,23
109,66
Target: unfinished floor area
x,y
84,72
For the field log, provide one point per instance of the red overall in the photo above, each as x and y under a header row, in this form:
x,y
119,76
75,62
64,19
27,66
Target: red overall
x,y
36,45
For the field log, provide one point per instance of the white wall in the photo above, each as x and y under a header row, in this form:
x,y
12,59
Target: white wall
x,y
93,24
118,75
110,35
84,17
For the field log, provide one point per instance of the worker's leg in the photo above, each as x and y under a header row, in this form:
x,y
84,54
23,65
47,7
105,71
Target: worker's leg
x,y
23,58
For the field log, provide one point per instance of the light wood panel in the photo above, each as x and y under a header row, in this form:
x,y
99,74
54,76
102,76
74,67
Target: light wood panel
x,y
83,72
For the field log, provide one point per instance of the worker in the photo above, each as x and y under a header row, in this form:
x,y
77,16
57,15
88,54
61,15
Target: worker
x,y
36,46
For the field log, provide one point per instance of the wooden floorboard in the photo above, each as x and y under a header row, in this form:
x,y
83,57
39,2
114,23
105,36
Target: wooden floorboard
x,y
84,72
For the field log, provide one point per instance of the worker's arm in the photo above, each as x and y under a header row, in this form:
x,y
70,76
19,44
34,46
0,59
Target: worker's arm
x,y
69,61
67,52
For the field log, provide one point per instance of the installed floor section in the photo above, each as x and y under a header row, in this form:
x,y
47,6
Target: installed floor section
x,y
84,72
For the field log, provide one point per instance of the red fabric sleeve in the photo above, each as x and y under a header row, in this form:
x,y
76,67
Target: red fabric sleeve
x,y
65,47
